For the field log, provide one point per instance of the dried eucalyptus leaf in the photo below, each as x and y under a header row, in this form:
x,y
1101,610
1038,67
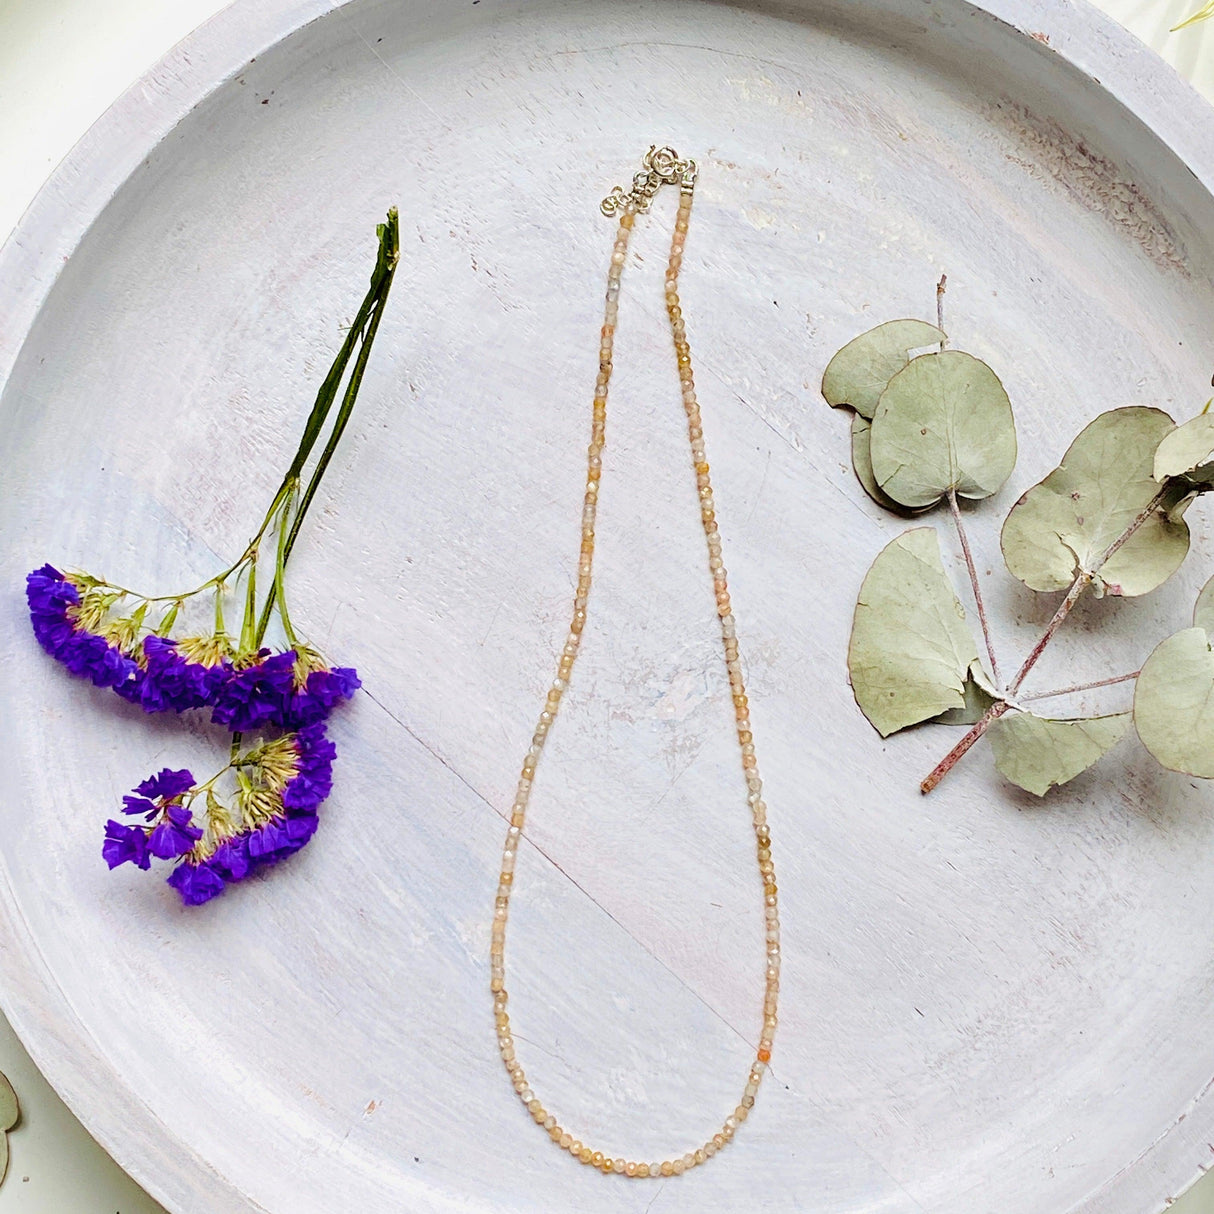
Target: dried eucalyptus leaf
x,y
911,651
861,459
1187,451
9,1111
1038,753
944,422
1174,703
857,375
1065,525
1203,612
979,696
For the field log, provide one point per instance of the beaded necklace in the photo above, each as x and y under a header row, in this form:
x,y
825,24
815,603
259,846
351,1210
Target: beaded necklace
x,y
660,167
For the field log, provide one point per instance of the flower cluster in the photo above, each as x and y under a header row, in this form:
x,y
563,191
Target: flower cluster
x,y
273,813
72,620
279,784
66,613
261,806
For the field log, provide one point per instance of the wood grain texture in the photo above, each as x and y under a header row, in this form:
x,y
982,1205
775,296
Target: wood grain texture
x,y
988,1005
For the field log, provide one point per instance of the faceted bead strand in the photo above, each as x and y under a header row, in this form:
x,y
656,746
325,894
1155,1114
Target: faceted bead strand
x,y
608,1164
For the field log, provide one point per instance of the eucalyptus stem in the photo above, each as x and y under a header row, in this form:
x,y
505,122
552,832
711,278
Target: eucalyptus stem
x,y
941,286
1077,687
1073,595
973,572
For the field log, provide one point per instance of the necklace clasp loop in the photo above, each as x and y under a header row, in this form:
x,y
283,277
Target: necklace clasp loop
x,y
659,167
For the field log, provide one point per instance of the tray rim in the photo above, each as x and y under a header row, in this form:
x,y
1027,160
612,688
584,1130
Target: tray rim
x,y
57,221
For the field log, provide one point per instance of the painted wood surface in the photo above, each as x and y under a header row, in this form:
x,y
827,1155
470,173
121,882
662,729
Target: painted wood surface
x,y
988,1004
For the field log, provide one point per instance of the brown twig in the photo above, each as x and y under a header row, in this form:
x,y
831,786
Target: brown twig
x,y
1066,691
950,760
940,289
973,572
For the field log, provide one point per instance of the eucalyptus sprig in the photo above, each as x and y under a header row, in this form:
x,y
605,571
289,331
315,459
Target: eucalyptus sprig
x,y
937,426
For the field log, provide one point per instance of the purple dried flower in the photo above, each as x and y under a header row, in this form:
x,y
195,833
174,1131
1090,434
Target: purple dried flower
x,y
167,783
322,691
269,842
139,805
132,689
172,680
231,858
255,697
175,835
196,882
54,600
282,783
313,779
125,843
302,772
157,797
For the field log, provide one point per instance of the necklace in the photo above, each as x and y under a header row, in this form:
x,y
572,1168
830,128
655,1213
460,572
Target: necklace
x,y
660,167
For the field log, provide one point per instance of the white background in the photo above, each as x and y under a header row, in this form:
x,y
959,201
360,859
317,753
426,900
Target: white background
x,y
62,62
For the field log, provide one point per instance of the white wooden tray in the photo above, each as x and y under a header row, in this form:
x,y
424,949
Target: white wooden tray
x,y
989,1004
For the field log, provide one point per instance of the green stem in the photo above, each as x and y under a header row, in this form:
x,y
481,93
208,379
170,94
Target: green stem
x,y
381,278
365,327
249,643
279,587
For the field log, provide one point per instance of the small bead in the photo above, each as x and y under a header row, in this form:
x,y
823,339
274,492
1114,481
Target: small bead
x,y
667,1168
630,1168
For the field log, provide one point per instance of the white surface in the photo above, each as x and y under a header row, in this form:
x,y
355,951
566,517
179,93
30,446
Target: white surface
x,y
514,593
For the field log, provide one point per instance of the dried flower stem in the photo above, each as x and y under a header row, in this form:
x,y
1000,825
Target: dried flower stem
x,y
363,330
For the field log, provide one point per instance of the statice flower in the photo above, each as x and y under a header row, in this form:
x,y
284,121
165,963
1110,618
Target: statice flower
x,y
183,674
169,829
196,882
125,843
274,814
318,689
67,615
255,696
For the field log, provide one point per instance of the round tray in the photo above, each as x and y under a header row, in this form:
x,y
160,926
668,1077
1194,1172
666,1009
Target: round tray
x,y
989,1003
